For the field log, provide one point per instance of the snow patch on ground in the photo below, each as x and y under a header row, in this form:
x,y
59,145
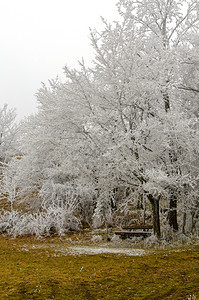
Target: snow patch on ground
x,y
87,250
59,250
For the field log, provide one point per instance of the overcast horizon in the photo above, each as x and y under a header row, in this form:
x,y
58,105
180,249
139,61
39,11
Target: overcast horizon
x,y
38,39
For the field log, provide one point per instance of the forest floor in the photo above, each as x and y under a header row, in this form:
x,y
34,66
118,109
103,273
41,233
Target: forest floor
x,y
74,267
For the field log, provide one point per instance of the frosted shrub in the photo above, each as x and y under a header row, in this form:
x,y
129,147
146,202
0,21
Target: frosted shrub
x,y
115,238
151,241
103,213
97,239
8,220
53,220
60,219
26,224
73,198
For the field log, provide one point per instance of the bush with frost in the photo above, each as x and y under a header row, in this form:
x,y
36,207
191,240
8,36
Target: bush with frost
x,y
151,241
47,222
97,239
8,220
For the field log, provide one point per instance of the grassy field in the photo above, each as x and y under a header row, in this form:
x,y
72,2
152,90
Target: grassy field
x,y
30,269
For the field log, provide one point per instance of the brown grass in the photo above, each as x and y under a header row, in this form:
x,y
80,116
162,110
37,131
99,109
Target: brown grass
x,y
38,274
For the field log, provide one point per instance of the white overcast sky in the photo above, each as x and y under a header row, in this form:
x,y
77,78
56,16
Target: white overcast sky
x,y
38,37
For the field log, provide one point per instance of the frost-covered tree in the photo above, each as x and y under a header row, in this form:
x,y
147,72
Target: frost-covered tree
x,y
127,122
133,103
8,184
8,134
8,150
54,168
164,27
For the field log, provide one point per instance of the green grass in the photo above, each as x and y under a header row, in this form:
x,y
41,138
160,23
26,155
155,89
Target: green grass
x,y
38,274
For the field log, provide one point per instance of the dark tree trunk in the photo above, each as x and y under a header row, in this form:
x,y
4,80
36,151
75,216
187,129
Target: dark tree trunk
x,y
172,215
194,218
166,101
156,215
184,220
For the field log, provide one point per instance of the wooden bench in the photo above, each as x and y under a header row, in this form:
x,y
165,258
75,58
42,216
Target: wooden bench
x,y
135,231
